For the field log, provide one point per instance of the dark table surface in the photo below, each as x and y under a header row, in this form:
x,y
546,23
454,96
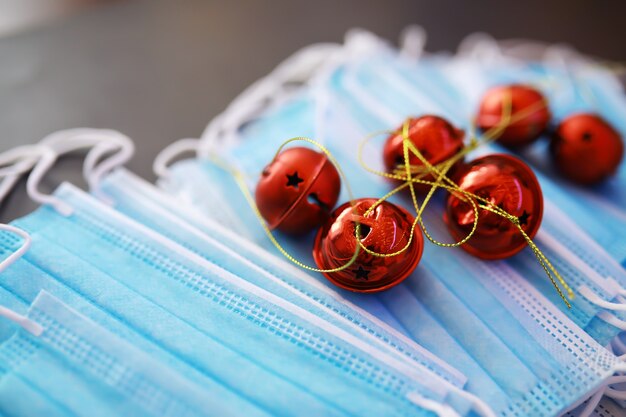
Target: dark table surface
x,y
159,70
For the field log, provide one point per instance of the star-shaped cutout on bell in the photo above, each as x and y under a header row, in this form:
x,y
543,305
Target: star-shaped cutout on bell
x,y
294,180
523,219
362,273
587,136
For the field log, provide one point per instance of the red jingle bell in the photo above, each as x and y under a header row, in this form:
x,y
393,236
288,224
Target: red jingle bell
x,y
433,136
297,190
385,230
586,148
527,102
507,183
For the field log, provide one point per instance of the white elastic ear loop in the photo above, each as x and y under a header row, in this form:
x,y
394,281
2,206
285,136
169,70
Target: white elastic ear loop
x,y
35,177
412,41
564,56
102,141
584,240
359,43
93,173
603,390
595,299
161,163
442,410
18,161
592,404
558,56
7,185
522,49
568,59
272,88
612,320
613,393
56,143
382,112
65,141
619,347
94,170
585,269
23,159
479,406
297,67
26,323
69,140
18,253
481,47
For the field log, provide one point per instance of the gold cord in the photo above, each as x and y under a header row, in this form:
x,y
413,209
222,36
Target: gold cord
x,y
410,175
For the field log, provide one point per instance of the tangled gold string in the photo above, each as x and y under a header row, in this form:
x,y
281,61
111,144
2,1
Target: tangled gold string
x,y
410,175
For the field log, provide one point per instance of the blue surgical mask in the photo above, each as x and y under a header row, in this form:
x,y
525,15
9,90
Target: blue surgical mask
x,y
305,352
456,323
72,366
104,300
599,307
147,204
584,269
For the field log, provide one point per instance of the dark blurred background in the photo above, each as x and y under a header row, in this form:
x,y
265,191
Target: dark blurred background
x,y
159,70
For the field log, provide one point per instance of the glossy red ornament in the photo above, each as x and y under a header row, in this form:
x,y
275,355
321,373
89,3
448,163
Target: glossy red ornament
x,y
386,229
506,182
297,190
586,148
522,131
433,136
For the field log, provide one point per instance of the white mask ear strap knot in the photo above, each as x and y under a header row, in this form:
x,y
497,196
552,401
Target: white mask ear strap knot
x,y
23,321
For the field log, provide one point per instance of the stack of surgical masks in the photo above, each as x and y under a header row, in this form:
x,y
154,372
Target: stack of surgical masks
x,y
133,299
